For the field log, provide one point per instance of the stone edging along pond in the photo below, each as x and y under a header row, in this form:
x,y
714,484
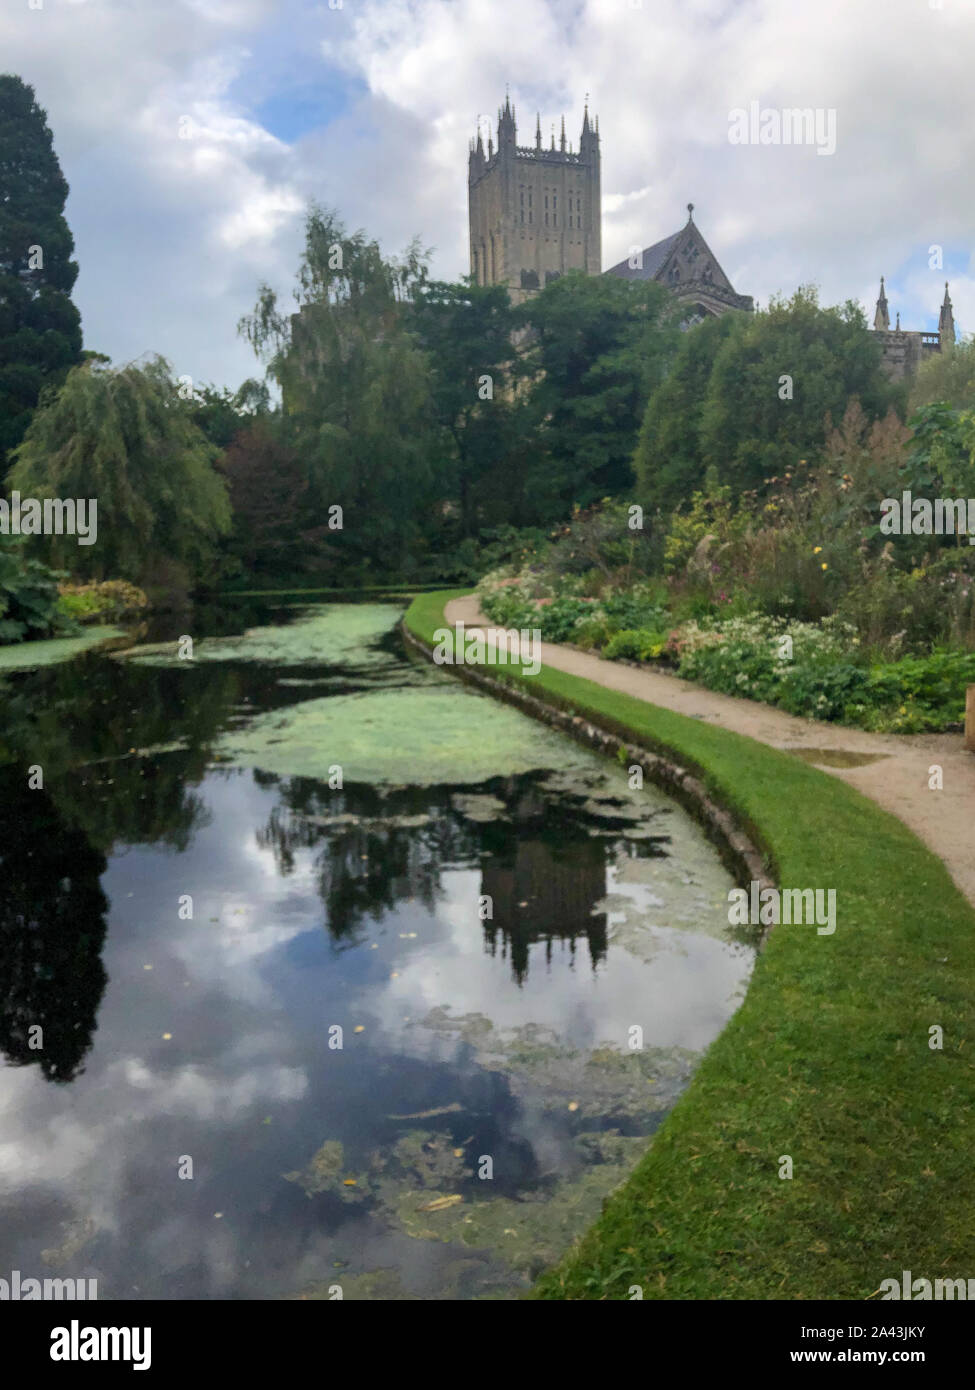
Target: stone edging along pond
x,y
736,848
826,1061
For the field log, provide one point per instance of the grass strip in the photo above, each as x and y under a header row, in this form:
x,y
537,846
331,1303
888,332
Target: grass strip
x,y
827,1061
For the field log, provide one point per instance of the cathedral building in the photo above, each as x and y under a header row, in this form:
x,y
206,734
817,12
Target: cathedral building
x,y
535,213
904,349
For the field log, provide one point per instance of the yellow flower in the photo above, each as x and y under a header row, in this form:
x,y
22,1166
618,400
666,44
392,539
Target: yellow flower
x,y
825,567
817,549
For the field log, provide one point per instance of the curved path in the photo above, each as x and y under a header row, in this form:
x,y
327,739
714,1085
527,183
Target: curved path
x,y
896,777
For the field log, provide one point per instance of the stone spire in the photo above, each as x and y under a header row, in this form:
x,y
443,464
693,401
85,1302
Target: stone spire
x,y
588,141
506,127
477,151
538,130
946,322
562,143
881,318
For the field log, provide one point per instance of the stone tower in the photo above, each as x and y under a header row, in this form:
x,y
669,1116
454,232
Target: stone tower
x,y
534,212
904,349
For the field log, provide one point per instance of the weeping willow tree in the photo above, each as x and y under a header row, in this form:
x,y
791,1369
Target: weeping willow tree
x,y
125,438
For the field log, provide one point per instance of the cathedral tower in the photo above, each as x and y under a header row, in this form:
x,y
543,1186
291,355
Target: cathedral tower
x,y
534,212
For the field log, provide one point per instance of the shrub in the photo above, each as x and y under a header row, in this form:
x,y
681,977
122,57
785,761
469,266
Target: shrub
x,y
106,602
635,644
28,598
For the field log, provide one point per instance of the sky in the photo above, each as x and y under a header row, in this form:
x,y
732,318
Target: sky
x,y
194,133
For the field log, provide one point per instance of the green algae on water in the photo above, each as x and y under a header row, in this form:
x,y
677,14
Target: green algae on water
x,y
28,656
337,634
417,737
326,1172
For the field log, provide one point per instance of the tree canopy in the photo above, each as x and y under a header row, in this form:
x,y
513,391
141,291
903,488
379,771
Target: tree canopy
x,y
125,438
758,393
40,328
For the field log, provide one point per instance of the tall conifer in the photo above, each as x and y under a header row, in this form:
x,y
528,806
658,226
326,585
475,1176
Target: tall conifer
x,y
40,328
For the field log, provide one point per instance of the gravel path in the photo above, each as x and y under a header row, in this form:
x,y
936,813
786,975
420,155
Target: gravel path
x,y
896,778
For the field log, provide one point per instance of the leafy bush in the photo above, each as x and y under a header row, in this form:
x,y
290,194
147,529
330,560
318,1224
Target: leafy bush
x,y
558,618
639,607
507,606
826,677
635,644
28,598
592,633
106,602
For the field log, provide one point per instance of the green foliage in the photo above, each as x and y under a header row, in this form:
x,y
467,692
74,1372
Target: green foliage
x,y
639,607
40,328
635,644
465,331
108,602
598,347
947,376
747,431
357,394
711,516
667,462
726,396
222,414
124,438
940,457
29,606
826,676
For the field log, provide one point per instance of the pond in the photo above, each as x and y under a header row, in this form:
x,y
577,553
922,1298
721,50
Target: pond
x,y
349,980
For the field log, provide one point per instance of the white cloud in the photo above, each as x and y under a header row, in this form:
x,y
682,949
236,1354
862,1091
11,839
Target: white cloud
x,y
174,235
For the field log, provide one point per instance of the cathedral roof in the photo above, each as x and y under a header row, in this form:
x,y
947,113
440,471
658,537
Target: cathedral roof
x,y
654,259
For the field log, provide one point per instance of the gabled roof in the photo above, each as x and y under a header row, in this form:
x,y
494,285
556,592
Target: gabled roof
x,y
654,259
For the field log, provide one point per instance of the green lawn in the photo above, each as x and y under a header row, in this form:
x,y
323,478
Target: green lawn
x,y
826,1061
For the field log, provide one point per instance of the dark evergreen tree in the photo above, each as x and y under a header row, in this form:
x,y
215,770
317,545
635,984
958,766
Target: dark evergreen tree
x,y
40,328
598,347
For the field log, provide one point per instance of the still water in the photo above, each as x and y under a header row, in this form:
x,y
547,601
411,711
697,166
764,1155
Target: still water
x,y
347,977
